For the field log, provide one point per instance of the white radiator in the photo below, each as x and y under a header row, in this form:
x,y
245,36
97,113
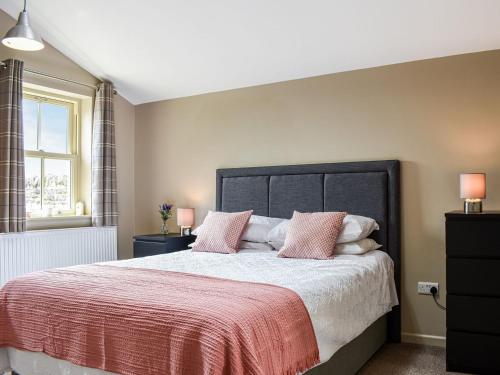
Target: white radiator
x,y
22,253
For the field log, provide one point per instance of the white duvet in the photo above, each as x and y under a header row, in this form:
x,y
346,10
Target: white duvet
x,y
344,295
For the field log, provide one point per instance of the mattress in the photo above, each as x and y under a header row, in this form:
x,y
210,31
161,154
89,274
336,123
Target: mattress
x,y
343,296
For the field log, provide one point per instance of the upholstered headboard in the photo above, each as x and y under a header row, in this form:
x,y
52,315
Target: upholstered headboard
x,y
369,188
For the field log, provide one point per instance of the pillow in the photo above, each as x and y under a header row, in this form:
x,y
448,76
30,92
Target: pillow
x,y
258,228
312,235
222,232
196,231
357,247
276,237
247,245
354,228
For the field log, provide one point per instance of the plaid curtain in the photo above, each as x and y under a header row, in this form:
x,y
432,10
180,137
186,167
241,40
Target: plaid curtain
x,y
104,196
12,201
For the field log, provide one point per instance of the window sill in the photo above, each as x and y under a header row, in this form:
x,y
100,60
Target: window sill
x,y
55,222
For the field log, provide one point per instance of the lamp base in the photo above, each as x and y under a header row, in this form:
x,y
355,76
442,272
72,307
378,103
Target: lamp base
x,y
473,207
185,231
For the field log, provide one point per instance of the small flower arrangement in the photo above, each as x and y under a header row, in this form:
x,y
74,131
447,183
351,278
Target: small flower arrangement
x,y
165,213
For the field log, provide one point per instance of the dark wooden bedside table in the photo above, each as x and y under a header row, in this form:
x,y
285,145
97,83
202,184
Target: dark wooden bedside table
x,y
154,244
473,292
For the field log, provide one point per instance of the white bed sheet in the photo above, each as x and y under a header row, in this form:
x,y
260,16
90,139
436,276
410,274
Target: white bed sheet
x,y
343,296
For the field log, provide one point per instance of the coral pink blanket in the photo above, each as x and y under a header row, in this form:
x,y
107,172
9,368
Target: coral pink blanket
x,y
139,321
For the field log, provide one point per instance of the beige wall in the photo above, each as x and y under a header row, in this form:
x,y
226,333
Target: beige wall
x,y
51,61
440,117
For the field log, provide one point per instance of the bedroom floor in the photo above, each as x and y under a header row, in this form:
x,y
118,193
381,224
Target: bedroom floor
x,y
407,359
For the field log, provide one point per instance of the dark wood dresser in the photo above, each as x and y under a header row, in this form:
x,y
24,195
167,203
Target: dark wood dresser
x,y
154,244
473,292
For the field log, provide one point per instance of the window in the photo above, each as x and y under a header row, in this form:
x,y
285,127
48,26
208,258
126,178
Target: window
x,y
51,154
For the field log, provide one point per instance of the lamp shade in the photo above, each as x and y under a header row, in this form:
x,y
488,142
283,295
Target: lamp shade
x,y
473,185
22,36
185,217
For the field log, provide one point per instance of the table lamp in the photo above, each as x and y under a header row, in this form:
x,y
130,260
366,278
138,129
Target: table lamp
x,y
473,189
185,219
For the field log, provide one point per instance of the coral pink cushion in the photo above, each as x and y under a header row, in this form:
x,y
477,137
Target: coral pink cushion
x,y
222,232
312,235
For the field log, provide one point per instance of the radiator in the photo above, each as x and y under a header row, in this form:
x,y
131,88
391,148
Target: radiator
x,y
21,253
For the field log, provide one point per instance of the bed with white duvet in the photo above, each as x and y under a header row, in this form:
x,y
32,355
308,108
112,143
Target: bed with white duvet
x,y
343,296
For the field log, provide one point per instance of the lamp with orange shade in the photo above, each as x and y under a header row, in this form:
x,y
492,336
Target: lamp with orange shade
x,y
185,219
473,189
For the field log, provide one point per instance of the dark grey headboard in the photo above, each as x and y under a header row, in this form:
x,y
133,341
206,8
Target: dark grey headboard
x,y
370,188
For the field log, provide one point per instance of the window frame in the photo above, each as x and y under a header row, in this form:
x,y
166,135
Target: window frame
x,y
73,143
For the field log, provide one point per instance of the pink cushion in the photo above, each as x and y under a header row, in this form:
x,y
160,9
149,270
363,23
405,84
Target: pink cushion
x,y
222,232
312,235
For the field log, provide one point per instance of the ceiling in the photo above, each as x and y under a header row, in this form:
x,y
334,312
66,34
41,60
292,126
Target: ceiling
x,y
161,49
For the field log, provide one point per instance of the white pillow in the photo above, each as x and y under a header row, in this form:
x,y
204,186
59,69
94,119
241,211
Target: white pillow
x,y
276,237
356,247
257,228
354,228
196,231
247,245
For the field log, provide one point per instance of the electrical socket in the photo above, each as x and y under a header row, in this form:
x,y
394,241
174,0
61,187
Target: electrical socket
x,y
424,287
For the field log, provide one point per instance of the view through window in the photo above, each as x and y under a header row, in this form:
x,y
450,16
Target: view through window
x,y
50,154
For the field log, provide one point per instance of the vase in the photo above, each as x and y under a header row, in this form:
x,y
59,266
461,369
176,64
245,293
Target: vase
x,y
164,227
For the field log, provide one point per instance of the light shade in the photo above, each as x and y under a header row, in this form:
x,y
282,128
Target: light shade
x,y
22,36
185,217
473,185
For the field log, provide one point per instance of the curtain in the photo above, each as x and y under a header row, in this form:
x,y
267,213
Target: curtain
x,y
12,200
104,196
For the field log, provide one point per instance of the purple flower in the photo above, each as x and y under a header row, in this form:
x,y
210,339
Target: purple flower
x,y
165,210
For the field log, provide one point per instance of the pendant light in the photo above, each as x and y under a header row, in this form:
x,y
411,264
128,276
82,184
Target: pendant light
x,y
22,36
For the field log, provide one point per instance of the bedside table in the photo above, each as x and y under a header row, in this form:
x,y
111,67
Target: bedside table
x,y
473,292
154,244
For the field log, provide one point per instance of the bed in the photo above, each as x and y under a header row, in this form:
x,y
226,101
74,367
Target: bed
x,y
363,188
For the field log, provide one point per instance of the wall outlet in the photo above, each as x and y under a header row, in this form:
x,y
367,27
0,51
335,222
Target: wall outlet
x,y
424,287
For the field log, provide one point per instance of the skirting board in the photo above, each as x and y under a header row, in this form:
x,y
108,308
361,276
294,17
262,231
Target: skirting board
x,y
417,338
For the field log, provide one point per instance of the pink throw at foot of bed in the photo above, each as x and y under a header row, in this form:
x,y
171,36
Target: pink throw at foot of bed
x,y
138,321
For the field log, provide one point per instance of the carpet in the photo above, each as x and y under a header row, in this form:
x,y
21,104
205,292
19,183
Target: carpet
x,y
407,359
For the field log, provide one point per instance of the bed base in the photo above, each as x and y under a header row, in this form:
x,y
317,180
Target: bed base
x,y
349,359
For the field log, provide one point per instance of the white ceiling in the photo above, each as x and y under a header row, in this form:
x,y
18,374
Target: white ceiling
x,y
161,49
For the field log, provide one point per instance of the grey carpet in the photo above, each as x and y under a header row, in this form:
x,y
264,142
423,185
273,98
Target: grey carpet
x,y
407,359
